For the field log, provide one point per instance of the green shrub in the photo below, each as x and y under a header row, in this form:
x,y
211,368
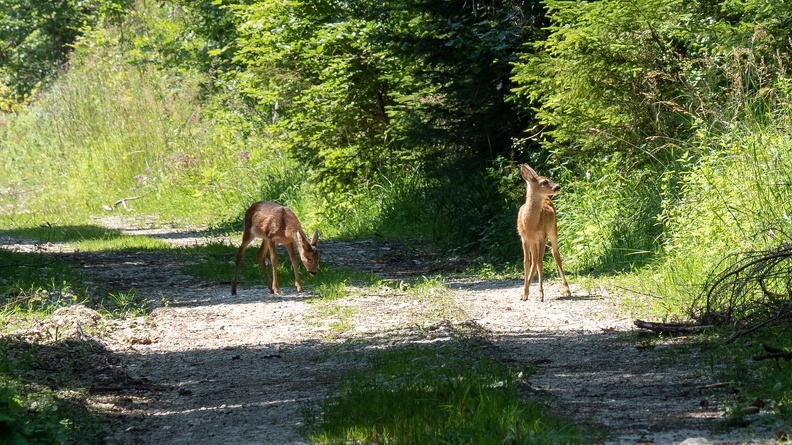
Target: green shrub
x,y
608,218
735,199
34,421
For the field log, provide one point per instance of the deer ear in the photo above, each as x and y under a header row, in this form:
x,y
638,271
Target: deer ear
x,y
315,237
527,172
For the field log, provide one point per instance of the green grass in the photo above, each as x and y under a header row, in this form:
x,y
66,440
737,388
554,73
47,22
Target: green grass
x,y
436,395
449,392
85,237
37,283
42,399
42,396
768,381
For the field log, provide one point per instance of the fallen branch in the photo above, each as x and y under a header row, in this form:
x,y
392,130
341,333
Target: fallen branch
x,y
774,353
718,385
740,332
123,201
670,328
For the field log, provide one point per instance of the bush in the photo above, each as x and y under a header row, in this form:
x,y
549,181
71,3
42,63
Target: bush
x,y
732,200
23,423
608,218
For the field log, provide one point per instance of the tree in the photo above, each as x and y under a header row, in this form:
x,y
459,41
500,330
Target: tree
x,y
36,37
638,76
359,88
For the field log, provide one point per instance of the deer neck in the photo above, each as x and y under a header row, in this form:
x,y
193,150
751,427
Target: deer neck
x,y
535,204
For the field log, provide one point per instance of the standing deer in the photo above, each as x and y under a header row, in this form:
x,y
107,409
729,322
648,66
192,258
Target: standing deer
x,y
277,224
536,223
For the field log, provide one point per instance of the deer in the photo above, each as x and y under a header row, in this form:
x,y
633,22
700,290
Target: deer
x,y
275,223
536,222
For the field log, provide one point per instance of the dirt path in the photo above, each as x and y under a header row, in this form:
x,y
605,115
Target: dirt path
x,y
210,368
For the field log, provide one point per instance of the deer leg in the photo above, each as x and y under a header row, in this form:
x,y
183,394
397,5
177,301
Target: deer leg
x,y
538,261
274,261
295,267
557,258
528,269
262,260
241,253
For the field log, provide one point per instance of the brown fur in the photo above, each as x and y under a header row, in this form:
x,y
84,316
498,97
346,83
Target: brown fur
x,y
536,223
277,224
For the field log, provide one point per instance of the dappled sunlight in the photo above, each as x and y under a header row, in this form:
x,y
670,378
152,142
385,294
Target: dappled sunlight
x,y
204,366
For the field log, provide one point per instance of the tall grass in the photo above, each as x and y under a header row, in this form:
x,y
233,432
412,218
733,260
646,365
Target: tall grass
x,y
115,126
608,218
734,199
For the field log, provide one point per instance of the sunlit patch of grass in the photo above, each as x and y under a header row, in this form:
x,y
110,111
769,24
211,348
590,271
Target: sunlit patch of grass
x,y
336,317
438,394
484,270
428,287
87,238
122,242
332,282
331,291
436,297
52,232
125,304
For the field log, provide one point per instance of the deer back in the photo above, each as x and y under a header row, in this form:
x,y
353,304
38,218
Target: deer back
x,y
279,224
273,221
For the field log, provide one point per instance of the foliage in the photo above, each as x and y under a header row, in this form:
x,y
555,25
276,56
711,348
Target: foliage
x,y
728,203
36,37
130,129
176,106
312,67
361,90
606,79
608,220
638,77
19,424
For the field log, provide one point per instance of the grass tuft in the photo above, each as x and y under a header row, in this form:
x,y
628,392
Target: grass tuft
x,y
430,395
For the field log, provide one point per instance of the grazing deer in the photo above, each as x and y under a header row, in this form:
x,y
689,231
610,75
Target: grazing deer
x,y
536,223
277,224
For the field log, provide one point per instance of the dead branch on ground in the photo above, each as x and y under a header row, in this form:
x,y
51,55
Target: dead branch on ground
x,y
671,328
774,353
753,292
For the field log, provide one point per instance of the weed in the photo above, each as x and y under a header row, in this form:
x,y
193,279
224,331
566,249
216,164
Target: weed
x,y
126,304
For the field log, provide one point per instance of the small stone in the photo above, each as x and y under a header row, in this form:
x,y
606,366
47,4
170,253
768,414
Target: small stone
x,y
695,441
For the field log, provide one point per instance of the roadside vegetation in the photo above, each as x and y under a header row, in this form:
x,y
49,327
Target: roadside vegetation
x,y
667,123
441,396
